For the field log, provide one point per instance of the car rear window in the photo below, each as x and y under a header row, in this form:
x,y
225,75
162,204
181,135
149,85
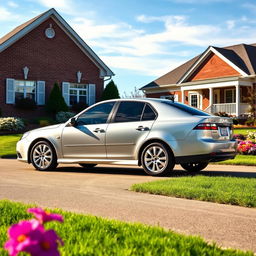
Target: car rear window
x,y
186,108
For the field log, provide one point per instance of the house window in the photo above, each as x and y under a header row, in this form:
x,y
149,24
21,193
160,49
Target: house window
x,y
230,96
77,93
25,89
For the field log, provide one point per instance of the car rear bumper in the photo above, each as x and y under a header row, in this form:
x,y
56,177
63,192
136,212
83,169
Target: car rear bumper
x,y
212,157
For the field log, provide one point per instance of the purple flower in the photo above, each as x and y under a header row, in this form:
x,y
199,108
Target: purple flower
x,y
48,244
22,237
45,216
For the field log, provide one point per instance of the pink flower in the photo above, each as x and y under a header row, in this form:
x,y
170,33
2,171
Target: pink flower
x,y
45,216
22,237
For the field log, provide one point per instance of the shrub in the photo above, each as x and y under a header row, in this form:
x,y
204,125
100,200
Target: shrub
x,y
79,107
44,122
222,114
110,91
25,103
56,102
239,137
11,124
62,117
250,122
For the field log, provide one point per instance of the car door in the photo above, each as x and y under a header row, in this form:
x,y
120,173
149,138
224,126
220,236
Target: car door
x,y
86,139
130,125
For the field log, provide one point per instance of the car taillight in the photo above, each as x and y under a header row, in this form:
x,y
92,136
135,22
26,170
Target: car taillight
x,y
206,126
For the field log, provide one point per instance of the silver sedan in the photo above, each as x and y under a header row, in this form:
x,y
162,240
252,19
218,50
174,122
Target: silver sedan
x,y
154,133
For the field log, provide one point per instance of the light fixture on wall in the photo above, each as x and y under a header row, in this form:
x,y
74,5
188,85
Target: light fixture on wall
x,y
25,72
79,76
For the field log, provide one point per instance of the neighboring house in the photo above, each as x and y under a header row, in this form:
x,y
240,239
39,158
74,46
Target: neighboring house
x,y
215,81
40,52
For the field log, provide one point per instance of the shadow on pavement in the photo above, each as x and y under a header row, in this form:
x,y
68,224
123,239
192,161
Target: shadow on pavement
x,y
139,172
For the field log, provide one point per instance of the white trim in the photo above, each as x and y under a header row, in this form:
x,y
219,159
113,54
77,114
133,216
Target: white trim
x,y
199,98
207,86
104,70
201,59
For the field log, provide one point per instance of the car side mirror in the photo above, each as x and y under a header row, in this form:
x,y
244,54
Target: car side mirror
x,y
73,121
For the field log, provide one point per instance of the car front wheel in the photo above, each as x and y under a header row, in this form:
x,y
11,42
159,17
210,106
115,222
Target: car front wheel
x,y
157,159
194,167
43,156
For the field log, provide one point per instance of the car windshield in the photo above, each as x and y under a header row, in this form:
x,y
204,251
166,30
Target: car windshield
x,y
187,109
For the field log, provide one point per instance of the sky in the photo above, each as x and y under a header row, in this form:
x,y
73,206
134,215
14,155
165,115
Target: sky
x,y
141,40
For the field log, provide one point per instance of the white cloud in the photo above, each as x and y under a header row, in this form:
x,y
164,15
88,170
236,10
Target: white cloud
x,y
145,66
250,6
230,24
5,14
12,4
65,6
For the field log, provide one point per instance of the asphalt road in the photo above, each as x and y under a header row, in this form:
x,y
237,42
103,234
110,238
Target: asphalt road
x,y
103,191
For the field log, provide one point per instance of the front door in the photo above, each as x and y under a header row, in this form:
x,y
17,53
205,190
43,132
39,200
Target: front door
x,y
130,126
86,139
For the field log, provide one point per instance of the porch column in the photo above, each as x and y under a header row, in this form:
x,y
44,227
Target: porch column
x,y
182,96
237,100
210,96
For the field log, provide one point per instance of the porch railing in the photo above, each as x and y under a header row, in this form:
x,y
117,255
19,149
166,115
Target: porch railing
x,y
229,108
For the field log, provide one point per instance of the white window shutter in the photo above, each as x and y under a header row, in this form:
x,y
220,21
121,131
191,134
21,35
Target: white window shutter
x,y
10,91
91,96
65,92
40,93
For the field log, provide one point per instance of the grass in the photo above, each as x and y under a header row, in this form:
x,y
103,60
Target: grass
x,y
224,190
89,235
240,160
243,131
8,144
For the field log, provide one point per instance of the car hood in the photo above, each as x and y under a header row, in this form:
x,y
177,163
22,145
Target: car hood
x,y
55,126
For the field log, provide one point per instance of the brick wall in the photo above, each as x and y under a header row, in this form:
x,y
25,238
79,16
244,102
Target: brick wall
x,y
51,60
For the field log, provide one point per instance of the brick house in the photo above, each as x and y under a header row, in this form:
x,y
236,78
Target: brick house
x,y
215,81
40,52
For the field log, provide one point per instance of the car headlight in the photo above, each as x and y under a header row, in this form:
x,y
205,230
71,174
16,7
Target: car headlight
x,y
24,135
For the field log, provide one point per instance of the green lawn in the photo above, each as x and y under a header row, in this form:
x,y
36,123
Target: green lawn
x,y
224,190
240,160
89,235
243,131
8,144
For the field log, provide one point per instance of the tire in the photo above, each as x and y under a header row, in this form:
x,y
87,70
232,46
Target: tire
x,y
43,156
194,167
87,165
157,159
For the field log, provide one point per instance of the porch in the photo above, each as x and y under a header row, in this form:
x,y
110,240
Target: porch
x,y
228,97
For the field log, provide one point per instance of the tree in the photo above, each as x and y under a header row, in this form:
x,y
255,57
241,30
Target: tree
x,y
136,93
56,102
110,91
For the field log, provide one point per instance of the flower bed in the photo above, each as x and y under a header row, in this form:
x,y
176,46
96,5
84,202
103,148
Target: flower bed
x,y
246,143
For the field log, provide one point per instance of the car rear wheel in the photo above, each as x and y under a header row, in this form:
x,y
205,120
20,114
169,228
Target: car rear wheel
x,y
194,167
157,159
43,156
87,165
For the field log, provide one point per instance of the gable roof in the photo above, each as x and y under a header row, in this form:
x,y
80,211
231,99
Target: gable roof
x,y
26,27
241,57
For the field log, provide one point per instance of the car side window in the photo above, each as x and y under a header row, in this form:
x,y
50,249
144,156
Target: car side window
x,y
148,114
129,111
96,115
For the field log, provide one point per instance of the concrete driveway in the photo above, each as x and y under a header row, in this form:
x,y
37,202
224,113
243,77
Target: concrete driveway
x,y
103,191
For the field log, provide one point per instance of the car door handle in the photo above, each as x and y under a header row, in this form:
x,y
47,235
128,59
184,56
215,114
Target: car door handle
x,y
142,128
99,130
